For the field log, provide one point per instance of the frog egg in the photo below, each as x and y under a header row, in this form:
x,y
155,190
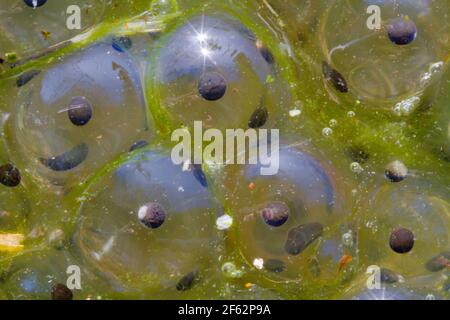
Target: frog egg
x,y
149,225
383,67
212,69
405,227
37,274
85,109
28,28
287,225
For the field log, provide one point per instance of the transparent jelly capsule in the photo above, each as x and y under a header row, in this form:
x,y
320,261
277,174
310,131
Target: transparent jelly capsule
x,y
34,275
213,69
388,62
78,114
149,226
29,28
405,228
288,225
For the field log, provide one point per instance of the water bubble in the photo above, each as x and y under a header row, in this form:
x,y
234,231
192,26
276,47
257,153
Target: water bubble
x,y
327,132
231,271
347,239
407,106
356,167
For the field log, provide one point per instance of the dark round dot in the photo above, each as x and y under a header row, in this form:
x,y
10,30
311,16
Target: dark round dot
x,y
152,215
212,86
396,171
275,214
401,240
402,31
138,145
122,44
61,292
9,175
35,3
80,111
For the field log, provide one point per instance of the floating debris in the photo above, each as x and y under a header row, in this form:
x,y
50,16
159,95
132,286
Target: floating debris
x,y
224,222
344,262
295,113
258,263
